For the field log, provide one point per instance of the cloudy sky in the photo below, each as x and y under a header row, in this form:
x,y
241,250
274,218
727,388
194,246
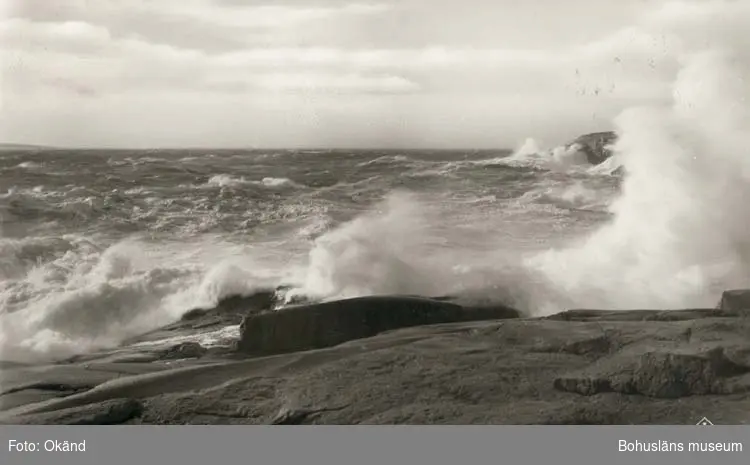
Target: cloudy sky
x,y
317,73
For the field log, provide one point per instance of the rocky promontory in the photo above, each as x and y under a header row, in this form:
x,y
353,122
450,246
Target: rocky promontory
x,y
596,146
409,360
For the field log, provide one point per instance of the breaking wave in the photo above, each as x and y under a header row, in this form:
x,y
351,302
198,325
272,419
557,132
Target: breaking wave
x,y
226,180
67,296
675,233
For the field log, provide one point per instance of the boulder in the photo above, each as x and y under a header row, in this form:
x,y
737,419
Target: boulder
x,y
596,146
327,324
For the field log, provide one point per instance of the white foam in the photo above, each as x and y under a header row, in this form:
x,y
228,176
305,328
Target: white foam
x,y
371,254
81,297
679,235
573,196
226,180
29,165
531,155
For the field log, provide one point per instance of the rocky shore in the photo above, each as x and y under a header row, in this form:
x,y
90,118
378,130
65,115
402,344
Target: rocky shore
x,y
596,146
406,360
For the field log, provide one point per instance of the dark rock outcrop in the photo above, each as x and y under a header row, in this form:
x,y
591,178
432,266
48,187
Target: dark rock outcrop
x,y
234,307
229,311
184,350
327,324
595,146
580,367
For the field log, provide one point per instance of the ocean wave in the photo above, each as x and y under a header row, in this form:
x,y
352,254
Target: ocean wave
x,y
576,196
29,165
679,232
315,227
444,170
136,161
18,256
612,166
386,160
530,155
91,298
226,180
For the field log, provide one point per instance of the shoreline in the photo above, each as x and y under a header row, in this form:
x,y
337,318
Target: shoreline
x,y
438,366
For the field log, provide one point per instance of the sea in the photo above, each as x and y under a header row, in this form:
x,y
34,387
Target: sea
x,y
98,246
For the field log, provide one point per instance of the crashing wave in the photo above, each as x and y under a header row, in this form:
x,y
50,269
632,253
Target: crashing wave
x,y
593,153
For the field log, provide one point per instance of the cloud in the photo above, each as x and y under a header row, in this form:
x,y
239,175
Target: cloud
x,y
202,24
69,54
347,83
701,25
75,38
89,51
268,16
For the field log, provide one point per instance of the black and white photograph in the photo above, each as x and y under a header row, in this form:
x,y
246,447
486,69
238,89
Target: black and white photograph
x,y
345,212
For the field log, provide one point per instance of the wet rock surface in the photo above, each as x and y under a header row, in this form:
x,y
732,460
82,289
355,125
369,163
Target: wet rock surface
x,y
110,412
316,326
662,373
576,367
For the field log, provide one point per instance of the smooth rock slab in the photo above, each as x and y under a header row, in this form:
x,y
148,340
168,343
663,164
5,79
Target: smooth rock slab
x,y
660,374
328,324
110,412
642,315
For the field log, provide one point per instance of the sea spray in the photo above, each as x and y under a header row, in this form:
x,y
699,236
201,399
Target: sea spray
x,y
373,254
563,158
679,234
402,246
88,297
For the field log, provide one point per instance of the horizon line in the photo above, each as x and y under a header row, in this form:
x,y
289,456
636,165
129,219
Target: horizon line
x,y
14,146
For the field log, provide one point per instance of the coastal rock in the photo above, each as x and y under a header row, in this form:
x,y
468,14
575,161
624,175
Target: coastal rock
x,y
229,311
235,306
327,324
735,301
579,367
643,315
110,412
662,374
595,146
184,350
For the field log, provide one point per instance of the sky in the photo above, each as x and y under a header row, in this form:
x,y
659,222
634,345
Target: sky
x,y
335,73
